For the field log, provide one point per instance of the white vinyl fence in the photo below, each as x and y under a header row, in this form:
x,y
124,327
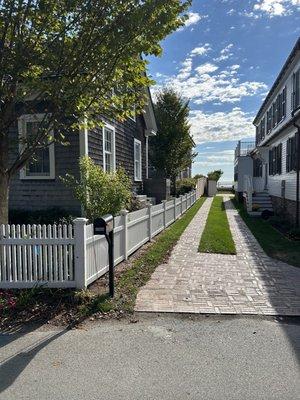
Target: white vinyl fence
x,y
71,255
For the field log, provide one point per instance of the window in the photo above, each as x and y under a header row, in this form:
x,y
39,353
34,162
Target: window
x,y
137,160
42,163
133,117
109,148
275,160
291,154
296,90
269,121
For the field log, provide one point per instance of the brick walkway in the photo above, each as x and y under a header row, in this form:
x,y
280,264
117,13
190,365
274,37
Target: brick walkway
x,y
247,283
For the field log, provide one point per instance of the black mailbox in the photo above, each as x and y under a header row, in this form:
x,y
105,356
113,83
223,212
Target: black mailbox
x,y
103,225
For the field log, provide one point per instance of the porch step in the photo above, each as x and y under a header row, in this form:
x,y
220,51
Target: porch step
x,y
263,200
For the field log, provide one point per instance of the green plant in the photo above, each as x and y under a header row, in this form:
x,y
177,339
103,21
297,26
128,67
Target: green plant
x,y
215,175
185,185
294,234
98,191
172,148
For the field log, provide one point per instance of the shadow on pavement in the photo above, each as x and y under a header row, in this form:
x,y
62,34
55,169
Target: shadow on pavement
x,y
12,366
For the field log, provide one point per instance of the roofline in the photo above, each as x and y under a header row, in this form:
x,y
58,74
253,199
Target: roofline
x,y
278,79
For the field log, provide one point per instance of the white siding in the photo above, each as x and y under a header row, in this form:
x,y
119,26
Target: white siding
x,y
244,167
288,83
274,185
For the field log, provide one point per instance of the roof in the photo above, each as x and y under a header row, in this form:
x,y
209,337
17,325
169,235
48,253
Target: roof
x,y
288,62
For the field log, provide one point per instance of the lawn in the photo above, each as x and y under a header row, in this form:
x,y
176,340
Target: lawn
x,y
216,237
274,243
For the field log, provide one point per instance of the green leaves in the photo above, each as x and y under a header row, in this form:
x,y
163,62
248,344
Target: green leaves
x,y
171,149
98,191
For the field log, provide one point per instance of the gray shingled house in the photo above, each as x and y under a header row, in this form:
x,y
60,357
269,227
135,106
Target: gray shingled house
x,y
39,187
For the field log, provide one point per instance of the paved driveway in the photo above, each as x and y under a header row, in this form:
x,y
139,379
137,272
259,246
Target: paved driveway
x,y
158,358
247,283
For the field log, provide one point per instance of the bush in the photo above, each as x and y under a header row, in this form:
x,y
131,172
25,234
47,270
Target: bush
x,y
215,175
294,233
51,216
185,185
98,191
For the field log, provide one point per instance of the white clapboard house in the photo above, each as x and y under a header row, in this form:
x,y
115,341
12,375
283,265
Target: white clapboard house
x,y
267,171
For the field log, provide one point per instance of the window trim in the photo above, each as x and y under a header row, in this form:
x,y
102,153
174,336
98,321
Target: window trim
x,y
136,178
112,128
22,120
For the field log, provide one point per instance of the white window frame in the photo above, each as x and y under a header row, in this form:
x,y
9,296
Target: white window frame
x,y
133,118
137,177
113,145
22,132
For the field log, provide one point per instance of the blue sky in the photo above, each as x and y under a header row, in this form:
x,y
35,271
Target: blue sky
x,y
225,60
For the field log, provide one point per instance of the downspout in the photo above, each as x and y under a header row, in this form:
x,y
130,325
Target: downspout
x,y
297,167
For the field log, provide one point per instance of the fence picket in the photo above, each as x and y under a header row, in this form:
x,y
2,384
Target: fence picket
x,y
70,255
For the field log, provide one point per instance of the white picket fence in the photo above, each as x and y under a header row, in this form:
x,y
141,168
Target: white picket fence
x,y
71,255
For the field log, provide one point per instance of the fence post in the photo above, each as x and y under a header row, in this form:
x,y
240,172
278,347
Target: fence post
x,y
124,214
150,222
80,252
165,213
175,199
186,202
181,205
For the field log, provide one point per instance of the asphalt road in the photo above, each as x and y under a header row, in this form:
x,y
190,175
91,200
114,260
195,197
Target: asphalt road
x,y
157,358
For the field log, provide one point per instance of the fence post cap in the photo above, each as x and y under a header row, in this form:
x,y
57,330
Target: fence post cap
x,y
80,220
124,212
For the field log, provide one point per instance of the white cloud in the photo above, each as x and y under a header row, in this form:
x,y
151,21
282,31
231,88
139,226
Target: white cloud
x,y
221,126
201,50
274,8
206,68
193,18
225,53
204,83
218,158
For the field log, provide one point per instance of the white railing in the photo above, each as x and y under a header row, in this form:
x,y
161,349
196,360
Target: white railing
x,y
71,255
248,191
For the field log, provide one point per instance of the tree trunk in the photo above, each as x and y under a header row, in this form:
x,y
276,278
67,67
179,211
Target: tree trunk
x,y
4,190
173,185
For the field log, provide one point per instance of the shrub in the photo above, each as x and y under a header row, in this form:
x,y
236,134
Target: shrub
x,y
8,301
215,175
185,185
98,191
51,216
294,234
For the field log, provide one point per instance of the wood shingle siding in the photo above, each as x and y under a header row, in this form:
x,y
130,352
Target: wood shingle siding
x,y
125,133
42,194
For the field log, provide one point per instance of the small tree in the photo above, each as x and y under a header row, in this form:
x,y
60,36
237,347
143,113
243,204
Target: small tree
x,y
100,192
215,175
171,149
68,59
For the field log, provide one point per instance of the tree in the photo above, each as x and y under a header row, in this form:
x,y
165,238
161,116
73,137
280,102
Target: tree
x,y
171,150
215,175
69,59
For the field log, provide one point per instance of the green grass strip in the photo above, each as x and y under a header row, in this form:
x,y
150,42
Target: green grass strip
x,y
216,237
142,268
274,243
